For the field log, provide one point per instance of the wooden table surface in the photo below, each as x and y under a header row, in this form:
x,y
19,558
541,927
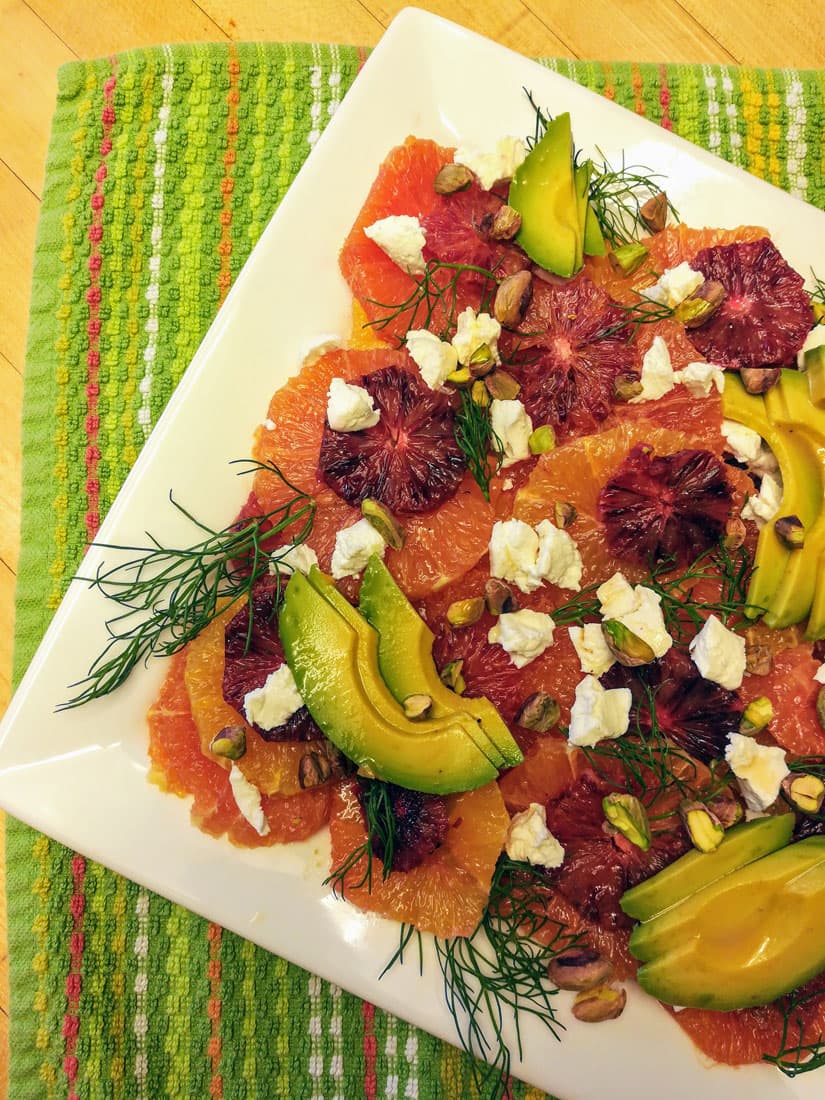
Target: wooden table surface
x,y
39,35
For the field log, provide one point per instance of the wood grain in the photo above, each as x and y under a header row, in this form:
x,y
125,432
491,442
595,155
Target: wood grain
x,y
40,35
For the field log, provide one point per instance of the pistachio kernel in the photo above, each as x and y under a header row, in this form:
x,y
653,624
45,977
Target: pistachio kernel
x,y
465,612
628,648
820,707
758,660
313,770
366,772
512,299
505,224
452,178
758,380
384,522
626,814
804,791
417,706
628,258
626,386
541,440
603,1002
540,712
564,514
499,597
230,742
481,364
704,828
790,531
756,716
451,676
502,386
579,968
696,310
735,532
654,212
460,377
726,808
479,394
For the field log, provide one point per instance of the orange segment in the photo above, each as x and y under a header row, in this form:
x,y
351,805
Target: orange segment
x,y
180,767
272,766
445,895
543,774
791,687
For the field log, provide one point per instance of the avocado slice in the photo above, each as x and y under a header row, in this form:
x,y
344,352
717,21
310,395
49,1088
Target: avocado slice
x,y
814,359
789,407
802,495
694,871
593,243
746,940
344,696
543,191
405,659
367,665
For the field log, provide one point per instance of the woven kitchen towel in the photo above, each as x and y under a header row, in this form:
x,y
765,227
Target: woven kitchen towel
x,y
163,169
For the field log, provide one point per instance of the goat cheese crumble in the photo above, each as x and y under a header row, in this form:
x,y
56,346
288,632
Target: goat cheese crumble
x,y
512,427
248,800
598,713
524,635
292,559
674,285
530,841
350,408
759,770
402,237
657,376
275,701
492,166
353,547
474,333
638,608
591,648
719,654
528,556
435,359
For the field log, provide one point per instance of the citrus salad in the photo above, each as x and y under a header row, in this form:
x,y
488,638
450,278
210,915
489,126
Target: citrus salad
x,y
526,598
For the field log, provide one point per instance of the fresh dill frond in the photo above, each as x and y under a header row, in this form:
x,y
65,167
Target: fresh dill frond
x,y
794,1055
635,314
818,293
477,441
167,596
543,120
429,292
382,834
617,196
497,976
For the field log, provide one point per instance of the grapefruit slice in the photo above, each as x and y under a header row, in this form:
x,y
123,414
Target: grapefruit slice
x,y
447,893
180,767
791,687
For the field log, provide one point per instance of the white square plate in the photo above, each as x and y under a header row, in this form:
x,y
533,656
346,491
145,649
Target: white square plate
x,y
80,776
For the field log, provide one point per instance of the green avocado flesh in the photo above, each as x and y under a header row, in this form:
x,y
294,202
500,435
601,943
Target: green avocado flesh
x,y
745,940
802,465
593,243
693,872
543,191
345,694
405,660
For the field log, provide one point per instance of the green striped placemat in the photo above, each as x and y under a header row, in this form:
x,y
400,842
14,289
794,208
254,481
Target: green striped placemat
x,y
164,167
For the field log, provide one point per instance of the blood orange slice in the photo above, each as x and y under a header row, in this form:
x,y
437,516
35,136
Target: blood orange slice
x,y
791,687
447,893
179,766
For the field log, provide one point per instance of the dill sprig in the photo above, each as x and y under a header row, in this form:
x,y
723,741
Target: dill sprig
x,y
642,312
167,596
652,765
617,196
795,1055
818,293
430,292
382,833
479,444
497,976
542,121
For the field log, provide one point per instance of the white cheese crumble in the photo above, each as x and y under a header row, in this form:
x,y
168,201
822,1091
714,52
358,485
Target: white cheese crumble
x,y
719,654
490,167
248,800
598,713
353,548
269,425
402,237
700,378
474,332
593,651
434,358
293,559
512,427
275,701
759,770
350,408
814,339
819,675
657,373
742,442
530,841
674,285
638,608
761,507
523,634
528,556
